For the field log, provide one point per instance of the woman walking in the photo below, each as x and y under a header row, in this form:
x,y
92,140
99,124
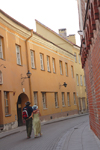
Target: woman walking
x,y
36,121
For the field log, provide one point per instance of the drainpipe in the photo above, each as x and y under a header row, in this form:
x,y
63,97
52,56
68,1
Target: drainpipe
x,y
27,58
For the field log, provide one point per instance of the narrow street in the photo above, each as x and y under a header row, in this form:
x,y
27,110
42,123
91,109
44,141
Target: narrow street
x,y
54,136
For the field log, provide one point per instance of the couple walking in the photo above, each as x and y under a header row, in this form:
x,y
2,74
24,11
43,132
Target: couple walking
x,y
32,115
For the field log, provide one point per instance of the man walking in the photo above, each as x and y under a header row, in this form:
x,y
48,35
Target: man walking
x,y
27,110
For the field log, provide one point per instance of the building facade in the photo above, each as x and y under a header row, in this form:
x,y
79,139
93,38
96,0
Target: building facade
x,y
90,57
23,51
62,40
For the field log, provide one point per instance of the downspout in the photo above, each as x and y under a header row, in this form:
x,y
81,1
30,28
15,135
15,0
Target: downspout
x,y
27,58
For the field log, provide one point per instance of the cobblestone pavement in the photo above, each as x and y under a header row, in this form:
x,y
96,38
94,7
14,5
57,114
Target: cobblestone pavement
x,y
54,136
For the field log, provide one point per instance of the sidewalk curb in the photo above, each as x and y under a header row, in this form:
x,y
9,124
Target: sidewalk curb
x,y
46,123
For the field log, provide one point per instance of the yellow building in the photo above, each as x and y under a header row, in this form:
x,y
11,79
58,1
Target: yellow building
x,y
51,66
62,40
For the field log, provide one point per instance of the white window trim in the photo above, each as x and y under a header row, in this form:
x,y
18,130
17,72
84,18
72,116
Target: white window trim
x,y
48,63
72,71
77,79
44,100
1,48
68,98
53,62
32,58
1,76
63,99
56,99
79,58
41,61
18,54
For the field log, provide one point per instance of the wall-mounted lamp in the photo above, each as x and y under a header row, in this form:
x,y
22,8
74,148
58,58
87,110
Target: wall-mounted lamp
x,y
63,85
3,65
28,76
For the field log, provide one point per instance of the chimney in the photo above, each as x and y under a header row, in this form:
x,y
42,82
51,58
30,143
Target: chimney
x,y
63,32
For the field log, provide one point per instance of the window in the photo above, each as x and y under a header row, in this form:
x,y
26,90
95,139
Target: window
x,y
60,64
35,98
75,57
79,58
84,82
1,47
1,78
56,99
18,54
74,96
32,59
81,79
68,99
72,72
66,69
41,62
63,99
44,99
83,103
48,63
53,63
6,94
77,79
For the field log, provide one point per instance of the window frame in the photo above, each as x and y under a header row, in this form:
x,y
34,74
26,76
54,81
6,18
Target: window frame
x,y
48,63
68,98
56,99
35,98
81,83
53,64
74,97
42,61
1,48
75,57
61,67
6,101
44,100
72,71
32,59
66,69
63,98
19,62
77,79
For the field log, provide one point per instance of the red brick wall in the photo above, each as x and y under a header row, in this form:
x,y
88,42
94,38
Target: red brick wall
x,y
92,74
92,71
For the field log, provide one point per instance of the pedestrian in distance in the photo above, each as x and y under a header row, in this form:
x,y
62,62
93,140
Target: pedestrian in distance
x,y
27,111
36,121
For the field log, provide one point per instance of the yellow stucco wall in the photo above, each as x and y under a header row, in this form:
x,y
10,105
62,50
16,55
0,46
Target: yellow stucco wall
x,y
40,81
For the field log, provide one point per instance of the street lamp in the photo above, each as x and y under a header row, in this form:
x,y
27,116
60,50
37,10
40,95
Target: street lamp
x,y
63,85
28,76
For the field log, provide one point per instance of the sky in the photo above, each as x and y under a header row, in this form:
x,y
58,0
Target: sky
x,y
55,14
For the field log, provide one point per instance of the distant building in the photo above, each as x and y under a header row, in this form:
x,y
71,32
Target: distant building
x,y
89,20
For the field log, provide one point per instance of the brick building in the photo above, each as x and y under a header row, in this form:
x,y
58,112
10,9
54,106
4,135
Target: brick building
x,y
89,20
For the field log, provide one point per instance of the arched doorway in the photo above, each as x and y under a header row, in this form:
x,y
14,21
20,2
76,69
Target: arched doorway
x,y
22,98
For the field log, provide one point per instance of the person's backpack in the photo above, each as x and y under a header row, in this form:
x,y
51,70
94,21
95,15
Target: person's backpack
x,y
25,113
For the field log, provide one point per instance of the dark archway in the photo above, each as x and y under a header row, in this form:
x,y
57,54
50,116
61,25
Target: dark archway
x,y
22,98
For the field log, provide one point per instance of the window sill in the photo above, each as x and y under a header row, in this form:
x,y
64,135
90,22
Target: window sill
x,y
54,72
49,71
9,115
42,70
69,105
34,68
45,108
19,65
57,107
63,105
